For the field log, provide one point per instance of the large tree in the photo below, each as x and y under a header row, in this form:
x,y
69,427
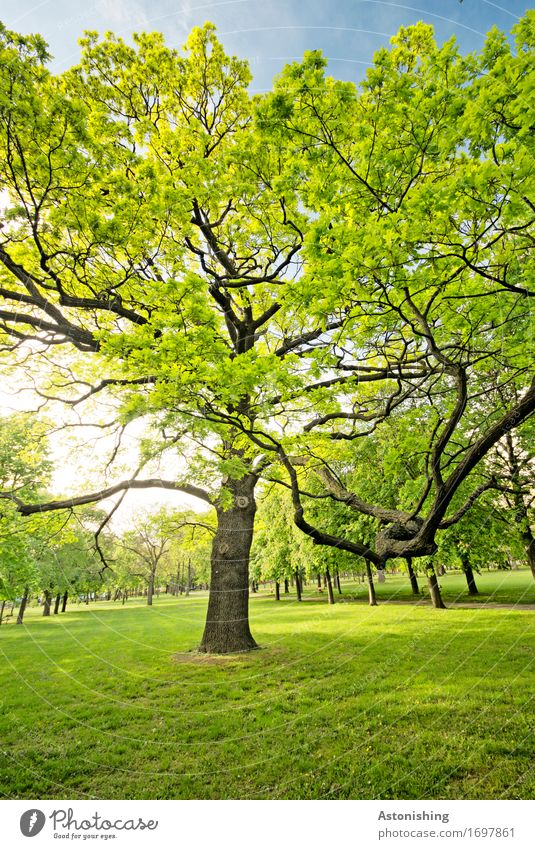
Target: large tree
x,y
235,276
149,229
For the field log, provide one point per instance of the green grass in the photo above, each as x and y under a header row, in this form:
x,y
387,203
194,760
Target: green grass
x,y
516,587
343,701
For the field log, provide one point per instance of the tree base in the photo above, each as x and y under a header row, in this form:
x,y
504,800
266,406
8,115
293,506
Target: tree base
x,y
229,646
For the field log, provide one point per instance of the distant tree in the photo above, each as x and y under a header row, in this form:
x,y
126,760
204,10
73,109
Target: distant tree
x,y
146,551
513,464
24,474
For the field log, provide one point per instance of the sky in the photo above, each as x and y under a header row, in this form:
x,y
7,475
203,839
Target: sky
x,y
267,33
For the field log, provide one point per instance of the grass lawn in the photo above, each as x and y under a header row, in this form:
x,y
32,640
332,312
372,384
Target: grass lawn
x,y
343,701
516,587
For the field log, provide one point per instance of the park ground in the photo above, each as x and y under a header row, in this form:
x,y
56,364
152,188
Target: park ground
x,y
342,701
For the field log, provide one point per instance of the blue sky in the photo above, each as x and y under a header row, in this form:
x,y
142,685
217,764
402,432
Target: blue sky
x,y
267,32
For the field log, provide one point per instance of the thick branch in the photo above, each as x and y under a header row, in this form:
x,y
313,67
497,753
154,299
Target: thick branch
x,y
339,493
290,344
100,495
319,537
62,325
458,515
513,418
81,339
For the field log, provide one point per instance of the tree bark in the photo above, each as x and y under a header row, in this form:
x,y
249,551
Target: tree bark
x,y
338,587
227,621
286,586
412,575
371,588
298,586
529,539
277,591
56,604
150,588
64,602
526,532
434,588
319,581
46,605
2,610
469,575
22,607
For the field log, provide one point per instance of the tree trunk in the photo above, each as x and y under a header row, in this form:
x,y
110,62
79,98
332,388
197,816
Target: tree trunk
x,y
412,575
521,510
319,581
64,602
2,610
22,607
150,588
298,586
227,620
56,604
46,605
469,575
338,587
371,589
286,586
277,591
530,550
434,588
329,582
527,536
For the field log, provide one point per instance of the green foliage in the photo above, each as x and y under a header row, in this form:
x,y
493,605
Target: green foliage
x,y
24,472
24,465
279,549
